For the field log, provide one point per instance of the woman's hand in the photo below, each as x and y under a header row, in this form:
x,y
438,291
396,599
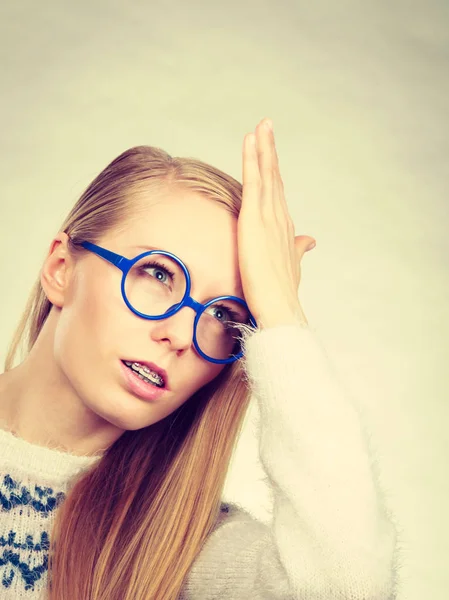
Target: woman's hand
x,y
269,252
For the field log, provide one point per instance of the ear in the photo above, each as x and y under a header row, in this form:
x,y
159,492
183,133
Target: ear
x,y
56,270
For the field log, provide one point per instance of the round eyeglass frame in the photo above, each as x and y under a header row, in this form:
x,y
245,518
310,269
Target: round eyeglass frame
x,y
125,264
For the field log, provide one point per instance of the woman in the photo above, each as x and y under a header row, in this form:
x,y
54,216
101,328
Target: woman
x,y
167,298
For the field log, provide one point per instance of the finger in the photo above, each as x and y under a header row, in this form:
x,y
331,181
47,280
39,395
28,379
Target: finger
x,y
266,166
278,177
304,243
280,207
251,176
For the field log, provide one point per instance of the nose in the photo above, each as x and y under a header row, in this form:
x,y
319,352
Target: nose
x,y
177,330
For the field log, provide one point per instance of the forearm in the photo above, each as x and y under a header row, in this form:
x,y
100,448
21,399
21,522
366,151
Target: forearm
x,y
286,316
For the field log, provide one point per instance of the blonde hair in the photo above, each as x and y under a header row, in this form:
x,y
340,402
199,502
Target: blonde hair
x,y
131,527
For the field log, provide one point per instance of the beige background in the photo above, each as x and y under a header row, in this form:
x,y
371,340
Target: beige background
x,y
358,92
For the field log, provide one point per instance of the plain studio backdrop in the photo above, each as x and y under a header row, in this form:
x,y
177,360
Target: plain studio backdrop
x,y
358,92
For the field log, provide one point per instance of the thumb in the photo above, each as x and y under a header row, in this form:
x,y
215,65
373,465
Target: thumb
x,y
304,243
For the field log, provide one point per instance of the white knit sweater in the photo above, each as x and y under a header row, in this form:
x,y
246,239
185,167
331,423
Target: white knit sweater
x,y
331,536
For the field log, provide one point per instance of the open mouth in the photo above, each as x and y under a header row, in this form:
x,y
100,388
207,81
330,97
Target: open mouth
x,y
145,373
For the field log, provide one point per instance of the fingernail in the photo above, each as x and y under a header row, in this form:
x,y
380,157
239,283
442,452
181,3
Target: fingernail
x,y
269,125
311,246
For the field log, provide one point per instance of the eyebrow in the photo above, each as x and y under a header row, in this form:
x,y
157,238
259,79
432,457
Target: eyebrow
x,y
145,247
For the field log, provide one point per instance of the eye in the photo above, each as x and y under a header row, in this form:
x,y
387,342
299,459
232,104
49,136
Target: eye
x,y
222,312
158,271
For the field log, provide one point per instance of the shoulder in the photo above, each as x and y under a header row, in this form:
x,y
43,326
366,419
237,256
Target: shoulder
x,y
227,559
238,525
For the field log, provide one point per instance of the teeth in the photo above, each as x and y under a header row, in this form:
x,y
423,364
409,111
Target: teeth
x,y
145,373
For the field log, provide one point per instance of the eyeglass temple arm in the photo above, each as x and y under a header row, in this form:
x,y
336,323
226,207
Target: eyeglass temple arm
x,y
112,257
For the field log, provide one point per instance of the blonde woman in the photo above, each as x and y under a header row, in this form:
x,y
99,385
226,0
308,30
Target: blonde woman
x,y
169,296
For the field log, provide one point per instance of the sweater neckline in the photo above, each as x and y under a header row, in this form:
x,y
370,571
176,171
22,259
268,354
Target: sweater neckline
x,y
40,462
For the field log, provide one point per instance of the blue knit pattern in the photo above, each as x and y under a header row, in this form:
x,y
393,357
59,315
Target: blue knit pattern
x,y
41,500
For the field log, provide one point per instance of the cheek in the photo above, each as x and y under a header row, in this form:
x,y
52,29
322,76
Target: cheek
x,y
204,374
85,330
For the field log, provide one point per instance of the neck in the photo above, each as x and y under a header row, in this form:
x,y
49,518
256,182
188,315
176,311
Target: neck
x,y
38,404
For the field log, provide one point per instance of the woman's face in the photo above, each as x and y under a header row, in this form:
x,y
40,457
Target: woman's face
x,y
96,331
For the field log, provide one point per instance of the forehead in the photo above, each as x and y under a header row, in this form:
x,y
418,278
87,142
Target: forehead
x,y
197,229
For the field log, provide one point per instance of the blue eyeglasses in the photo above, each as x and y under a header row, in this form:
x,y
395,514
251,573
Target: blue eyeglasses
x,y
156,285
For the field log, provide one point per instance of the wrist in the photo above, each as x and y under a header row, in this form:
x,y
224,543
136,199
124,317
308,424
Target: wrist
x,y
289,316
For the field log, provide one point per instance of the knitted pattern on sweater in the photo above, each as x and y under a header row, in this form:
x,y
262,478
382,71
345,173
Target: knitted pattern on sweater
x,y
34,481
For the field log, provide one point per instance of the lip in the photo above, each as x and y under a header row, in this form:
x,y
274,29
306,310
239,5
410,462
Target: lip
x,y
138,387
153,367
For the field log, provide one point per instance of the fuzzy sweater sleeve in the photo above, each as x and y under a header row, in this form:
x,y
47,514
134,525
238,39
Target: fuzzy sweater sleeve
x,y
331,536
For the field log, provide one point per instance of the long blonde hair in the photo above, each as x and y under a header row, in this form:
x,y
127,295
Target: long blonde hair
x,y
131,527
